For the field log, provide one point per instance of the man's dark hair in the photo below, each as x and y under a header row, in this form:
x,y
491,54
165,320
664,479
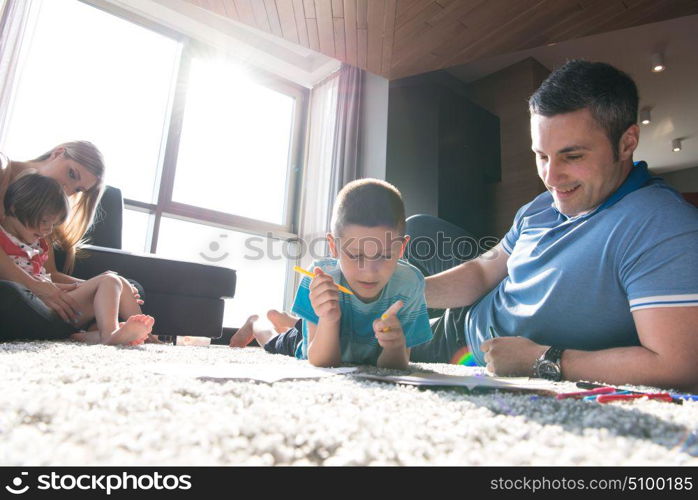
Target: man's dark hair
x,y
610,94
34,197
370,203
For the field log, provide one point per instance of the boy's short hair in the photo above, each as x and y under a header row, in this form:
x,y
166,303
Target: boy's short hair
x,y
369,203
33,197
610,95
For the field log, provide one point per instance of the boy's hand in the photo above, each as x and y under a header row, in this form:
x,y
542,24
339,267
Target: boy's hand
x,y
388,329
324,296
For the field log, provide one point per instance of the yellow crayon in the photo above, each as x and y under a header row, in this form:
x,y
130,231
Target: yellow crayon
x,y
385,316
311,275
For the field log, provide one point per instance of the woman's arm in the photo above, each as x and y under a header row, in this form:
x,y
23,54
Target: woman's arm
x,y
58,300
56,275
10,271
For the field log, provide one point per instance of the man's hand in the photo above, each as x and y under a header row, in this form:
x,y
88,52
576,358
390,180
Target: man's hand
x,y
511,356
388,329
324,296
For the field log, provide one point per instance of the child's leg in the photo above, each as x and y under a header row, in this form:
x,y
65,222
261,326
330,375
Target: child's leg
x,y
128,304
282,321
131,327
285,343
84,295
261,330
266,336
100,297
106,305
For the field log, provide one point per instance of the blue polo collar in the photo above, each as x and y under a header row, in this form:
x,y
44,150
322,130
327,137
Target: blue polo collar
x,y
638,177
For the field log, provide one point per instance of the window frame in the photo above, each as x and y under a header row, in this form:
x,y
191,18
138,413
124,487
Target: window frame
x,y
166,170
166,205
173,122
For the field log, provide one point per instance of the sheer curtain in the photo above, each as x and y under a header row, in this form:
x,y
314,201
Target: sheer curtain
x,y
332,155
18,17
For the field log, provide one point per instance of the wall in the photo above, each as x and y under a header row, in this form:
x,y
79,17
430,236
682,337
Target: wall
x,y
441,148
684,181
373,133
505,94
412,152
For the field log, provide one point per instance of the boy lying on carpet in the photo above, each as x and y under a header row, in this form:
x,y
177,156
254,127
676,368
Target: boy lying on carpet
x,y
34,206
386,314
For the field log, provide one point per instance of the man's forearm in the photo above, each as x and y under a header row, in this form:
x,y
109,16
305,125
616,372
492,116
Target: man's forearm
x,y
324,346
465,284
627,365
457,287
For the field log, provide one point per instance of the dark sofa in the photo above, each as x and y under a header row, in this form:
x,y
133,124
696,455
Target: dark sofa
x,y
185,298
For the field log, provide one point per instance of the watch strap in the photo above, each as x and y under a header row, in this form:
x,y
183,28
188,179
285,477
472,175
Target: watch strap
x,y
553,354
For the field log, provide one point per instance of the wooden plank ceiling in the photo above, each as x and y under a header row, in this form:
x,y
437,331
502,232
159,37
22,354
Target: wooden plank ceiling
x,y
398,38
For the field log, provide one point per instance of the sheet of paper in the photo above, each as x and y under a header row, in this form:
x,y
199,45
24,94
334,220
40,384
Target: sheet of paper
x,y
471,382
261,373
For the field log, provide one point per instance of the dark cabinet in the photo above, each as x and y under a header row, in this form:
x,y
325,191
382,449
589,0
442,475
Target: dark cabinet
x,y
442,150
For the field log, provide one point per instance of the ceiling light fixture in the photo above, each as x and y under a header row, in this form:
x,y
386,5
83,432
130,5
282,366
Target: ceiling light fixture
x,y
657,63
645,117
676,145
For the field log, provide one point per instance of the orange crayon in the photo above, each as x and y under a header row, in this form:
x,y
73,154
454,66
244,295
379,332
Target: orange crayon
x,y
311,275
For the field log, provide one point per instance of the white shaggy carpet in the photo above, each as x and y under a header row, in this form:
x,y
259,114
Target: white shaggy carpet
x,y
68,404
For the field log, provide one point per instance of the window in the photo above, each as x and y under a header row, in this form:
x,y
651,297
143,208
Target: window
x,y
234,148
260,262
136,225
199,144
113,91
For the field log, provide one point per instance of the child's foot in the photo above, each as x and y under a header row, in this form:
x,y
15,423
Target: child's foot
x,y
263,335
79,336
153,339
281,320
245,333
133,331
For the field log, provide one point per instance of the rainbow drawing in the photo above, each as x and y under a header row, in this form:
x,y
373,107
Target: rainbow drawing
x,y
464,357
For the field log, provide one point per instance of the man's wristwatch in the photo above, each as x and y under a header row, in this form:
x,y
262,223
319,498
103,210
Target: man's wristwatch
x,y
548,365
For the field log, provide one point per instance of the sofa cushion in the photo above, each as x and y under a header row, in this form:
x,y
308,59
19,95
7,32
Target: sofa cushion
x,y
157,274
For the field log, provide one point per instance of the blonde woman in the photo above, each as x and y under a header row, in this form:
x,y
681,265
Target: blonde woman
x,y
79,168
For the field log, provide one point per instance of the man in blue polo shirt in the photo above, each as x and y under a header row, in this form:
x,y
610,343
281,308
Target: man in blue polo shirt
x,y
597,279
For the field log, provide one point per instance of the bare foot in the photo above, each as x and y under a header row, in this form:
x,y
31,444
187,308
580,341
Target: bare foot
x,y
132,332
245,333
91,337
281,320
80,336
264,335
